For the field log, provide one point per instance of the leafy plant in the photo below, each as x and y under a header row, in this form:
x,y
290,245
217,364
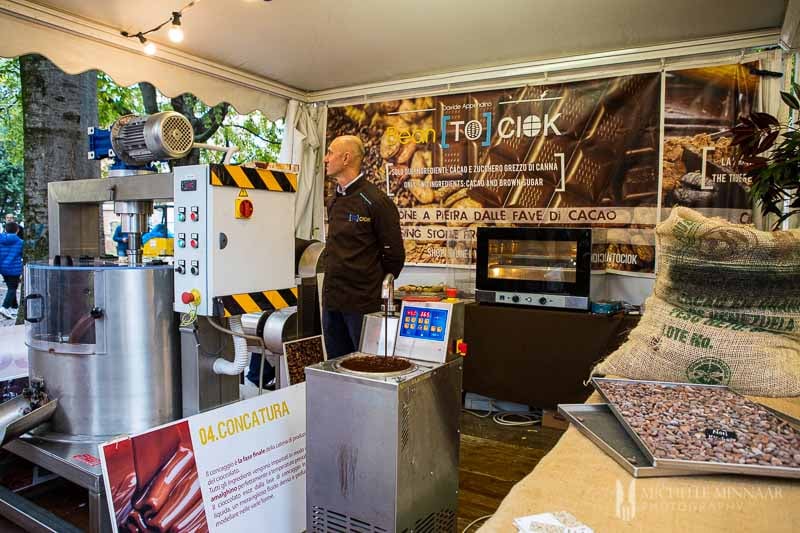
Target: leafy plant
x,y
12,180
775,173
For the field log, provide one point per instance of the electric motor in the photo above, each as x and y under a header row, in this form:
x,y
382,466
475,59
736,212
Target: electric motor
x,y
140,140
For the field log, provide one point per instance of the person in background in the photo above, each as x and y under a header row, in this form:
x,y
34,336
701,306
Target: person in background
x,y
364,244
121,240
10,217
10,267
159,230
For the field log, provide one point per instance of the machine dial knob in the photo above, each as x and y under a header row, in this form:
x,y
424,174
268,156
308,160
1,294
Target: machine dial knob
x,y
180,269
515,299
543,300
195,270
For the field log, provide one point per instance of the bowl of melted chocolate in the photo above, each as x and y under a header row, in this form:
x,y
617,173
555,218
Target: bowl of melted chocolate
x,y
375,365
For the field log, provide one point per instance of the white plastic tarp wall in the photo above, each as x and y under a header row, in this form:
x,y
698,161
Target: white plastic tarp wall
x,y
304,144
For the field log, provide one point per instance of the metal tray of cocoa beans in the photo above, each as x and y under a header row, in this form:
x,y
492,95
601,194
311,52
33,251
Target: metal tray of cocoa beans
x,y
721,433
600,425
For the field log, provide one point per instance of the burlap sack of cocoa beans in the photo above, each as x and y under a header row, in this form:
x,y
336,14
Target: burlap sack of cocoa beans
x,y
725,310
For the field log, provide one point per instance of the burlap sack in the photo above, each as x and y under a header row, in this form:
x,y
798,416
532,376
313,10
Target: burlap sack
x,y
725,310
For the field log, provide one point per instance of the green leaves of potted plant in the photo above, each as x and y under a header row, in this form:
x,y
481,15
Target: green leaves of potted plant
x,y
775,174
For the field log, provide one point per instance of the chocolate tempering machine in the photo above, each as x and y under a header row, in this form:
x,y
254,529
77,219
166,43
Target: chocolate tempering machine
x,y
120,346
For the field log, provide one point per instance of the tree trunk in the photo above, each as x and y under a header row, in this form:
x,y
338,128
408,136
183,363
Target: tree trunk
x,y
57,110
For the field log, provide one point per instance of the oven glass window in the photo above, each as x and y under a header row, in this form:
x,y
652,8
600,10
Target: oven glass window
x,y
550,261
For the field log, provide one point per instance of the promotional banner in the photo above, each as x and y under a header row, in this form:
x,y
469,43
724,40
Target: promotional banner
x,y
583,153
700,169
226,470
574,154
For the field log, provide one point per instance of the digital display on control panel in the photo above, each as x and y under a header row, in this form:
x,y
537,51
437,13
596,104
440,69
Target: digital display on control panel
x,y
189,185
424,323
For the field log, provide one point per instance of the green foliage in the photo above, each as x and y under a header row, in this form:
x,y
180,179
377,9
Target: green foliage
x,y
113,101
257,137
12,181
12,185
775,170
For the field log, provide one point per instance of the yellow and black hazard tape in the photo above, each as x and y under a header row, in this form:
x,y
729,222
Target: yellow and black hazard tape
x,y
254,302
252,178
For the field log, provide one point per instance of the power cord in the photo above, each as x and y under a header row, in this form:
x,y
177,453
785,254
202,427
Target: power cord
x,y
529,418
484,517
476,415
187,319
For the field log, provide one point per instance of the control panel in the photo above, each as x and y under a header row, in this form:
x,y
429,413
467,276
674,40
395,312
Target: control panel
x,y
430,331
555,301
424,323
229,240
191,198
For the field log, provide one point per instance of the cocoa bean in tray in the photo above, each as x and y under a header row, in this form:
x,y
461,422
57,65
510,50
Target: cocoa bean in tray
x,y
706,424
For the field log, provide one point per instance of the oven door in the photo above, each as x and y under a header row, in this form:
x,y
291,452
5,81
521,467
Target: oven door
x,y
534,260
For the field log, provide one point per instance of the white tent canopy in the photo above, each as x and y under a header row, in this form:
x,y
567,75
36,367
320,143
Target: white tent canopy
x,y
257,54
77,45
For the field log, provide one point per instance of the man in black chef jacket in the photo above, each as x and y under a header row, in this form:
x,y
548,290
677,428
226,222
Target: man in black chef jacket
x,y
364,244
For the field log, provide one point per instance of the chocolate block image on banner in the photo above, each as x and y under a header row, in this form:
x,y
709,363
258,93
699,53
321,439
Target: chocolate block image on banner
x,y
534,192
482,188
568,107
596,163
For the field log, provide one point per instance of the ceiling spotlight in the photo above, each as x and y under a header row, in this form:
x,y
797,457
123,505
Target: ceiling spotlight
x,y
175,33
148,47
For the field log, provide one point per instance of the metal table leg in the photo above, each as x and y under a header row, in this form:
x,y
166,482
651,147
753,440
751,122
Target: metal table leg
x,y
99,518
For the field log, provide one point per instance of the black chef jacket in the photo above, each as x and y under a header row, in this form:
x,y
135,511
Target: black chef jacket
x,y
364,244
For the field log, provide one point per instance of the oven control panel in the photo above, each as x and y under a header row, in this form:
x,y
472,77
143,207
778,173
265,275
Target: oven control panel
x,y
555,301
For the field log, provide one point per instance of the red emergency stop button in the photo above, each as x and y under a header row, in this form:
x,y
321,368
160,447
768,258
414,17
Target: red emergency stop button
x,y
245,208
191,297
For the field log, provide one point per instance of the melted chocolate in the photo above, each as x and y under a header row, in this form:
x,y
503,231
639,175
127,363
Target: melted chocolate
x,y
137,521
181,502
166,481
122,497
193,521
150,452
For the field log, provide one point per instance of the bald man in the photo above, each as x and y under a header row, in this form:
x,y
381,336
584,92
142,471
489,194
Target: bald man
x,y
364,244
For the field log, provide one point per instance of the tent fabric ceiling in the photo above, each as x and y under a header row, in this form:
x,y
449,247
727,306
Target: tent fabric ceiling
x,y
256,54
172,74
317,45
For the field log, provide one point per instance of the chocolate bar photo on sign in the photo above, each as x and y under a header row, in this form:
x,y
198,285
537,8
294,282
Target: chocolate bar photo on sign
x,y
154,482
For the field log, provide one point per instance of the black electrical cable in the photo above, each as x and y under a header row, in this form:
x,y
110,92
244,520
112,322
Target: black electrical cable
x,y
176,15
